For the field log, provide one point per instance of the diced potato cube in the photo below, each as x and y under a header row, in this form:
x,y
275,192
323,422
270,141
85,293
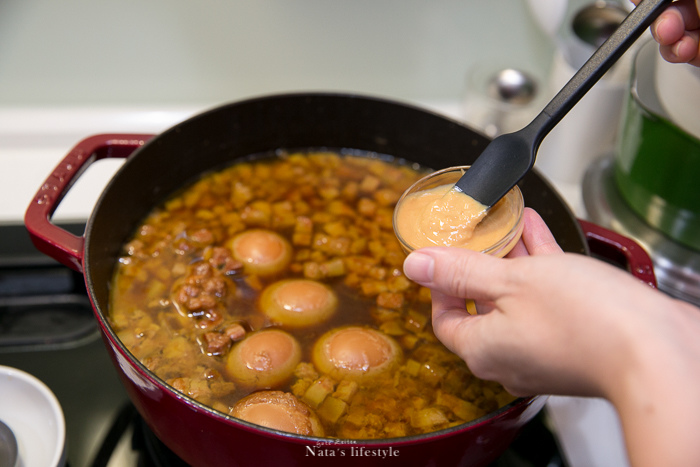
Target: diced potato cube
x,y
394,258
390,300
369,184
328,192
173,204
339,208
346,390
461,408
320,241
366,207
432,373
393,328
334,229
221,388
385,218
302,254
262,171
312,270
412,367
504,398
409,341
305,370
339,246
415,321
303,225
223,408
191,198
418,403
240,195
176,348
301,239
282,207
301,207
377,272
395,430
358,245
399,283
372,288
356,417
205,214
282,220
386,197
179,269
300,387
349,191
257,213
377,249
384,314
180,384
318,391
332,409
333,268
156,290
424,295
318,256
352,280
429,417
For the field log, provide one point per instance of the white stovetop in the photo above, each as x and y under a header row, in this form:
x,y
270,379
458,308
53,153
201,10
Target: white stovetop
x,y
34,140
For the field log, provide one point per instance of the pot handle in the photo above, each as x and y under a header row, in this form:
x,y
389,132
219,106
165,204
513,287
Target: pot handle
x,y
50,239
619,250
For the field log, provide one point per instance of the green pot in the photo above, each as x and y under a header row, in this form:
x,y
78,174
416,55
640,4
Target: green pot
x,y
657,164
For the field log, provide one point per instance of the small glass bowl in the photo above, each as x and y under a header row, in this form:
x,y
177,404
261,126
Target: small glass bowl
x,y
499,248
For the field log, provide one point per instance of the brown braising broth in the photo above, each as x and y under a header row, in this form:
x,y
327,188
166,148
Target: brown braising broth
x,y
182,298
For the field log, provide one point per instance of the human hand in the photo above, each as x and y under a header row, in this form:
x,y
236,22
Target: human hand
x,y
677,30
545,318
556,323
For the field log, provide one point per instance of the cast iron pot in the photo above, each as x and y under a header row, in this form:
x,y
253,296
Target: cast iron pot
x,y
158,166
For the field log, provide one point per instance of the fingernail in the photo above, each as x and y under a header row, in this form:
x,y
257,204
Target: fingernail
x,y
677,49
655,27
419,267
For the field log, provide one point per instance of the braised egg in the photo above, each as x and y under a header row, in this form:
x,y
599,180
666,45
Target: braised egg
x,y
298,302
264,359
355,352
262,252
280,411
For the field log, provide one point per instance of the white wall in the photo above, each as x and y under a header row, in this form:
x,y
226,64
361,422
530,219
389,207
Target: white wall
x,y
78,52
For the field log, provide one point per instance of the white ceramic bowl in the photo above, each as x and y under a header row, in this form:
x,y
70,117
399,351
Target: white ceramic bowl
x,y
32,412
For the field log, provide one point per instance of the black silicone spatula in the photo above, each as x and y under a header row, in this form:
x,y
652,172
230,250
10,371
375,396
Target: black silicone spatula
x,y
509,157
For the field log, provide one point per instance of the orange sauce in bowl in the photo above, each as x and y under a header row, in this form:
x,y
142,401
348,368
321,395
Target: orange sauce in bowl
x,y
441,216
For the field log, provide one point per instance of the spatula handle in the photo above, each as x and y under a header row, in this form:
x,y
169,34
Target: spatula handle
x,y
602,59
509,157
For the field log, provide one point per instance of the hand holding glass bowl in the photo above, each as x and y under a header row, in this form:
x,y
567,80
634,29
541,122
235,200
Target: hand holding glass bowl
x,y
430,213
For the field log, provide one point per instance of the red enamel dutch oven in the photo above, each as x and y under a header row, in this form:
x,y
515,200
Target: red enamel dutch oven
x,y
157,166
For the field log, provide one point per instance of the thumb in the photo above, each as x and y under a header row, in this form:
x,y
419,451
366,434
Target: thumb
x,y
457,272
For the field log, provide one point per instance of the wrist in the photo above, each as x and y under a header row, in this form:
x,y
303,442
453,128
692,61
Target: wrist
x,y
655,394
